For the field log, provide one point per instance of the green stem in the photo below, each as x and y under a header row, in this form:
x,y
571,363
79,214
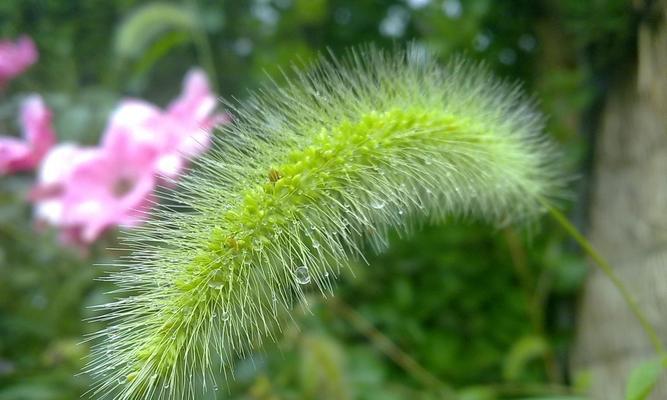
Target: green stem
x,y
203,46
604,266
390,349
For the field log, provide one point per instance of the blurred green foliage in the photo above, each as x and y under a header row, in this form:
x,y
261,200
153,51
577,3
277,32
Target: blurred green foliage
x,y
487,312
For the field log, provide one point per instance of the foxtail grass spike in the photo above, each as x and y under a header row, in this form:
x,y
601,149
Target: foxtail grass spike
x,y
310,173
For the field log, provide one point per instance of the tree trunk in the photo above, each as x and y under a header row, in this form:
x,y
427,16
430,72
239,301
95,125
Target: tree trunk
x,y
629,219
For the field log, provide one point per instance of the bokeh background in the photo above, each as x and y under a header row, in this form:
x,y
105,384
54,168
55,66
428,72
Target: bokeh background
x,y
463,311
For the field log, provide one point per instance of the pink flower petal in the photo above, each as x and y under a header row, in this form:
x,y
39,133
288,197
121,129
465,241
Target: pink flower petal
x,y
87,191
132,131
196,101
17,155
52,176
16,57
36,120
170,165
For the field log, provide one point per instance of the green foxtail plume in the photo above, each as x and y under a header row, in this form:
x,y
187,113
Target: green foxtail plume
x,y
307,174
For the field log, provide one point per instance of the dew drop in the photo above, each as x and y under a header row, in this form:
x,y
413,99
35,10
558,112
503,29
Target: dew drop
x,y
215,388
302,275
113,333
166,386
216,279
316,244
378,204
428,161
121,381
224,316
400,212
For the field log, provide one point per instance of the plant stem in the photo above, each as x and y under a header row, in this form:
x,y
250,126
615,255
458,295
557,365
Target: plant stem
x,y
389,348
203,46
604,266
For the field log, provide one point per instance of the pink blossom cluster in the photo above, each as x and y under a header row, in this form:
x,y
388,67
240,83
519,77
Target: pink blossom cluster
x,y
16,57
86,190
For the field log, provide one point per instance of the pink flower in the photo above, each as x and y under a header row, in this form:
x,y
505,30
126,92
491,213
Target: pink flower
x,y
107,190
16,57
173,136
85,191
36,121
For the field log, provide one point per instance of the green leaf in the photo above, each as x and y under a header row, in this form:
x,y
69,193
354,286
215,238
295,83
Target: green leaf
x,y
524,350
643,379
145,25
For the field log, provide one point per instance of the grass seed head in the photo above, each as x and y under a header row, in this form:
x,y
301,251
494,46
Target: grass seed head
x,y
307,173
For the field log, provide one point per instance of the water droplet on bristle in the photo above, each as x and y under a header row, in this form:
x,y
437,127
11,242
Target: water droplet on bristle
x,y
216,279
302,275
378,204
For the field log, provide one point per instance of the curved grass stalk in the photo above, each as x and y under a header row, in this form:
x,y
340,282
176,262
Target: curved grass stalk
x,y
608,271
308,173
